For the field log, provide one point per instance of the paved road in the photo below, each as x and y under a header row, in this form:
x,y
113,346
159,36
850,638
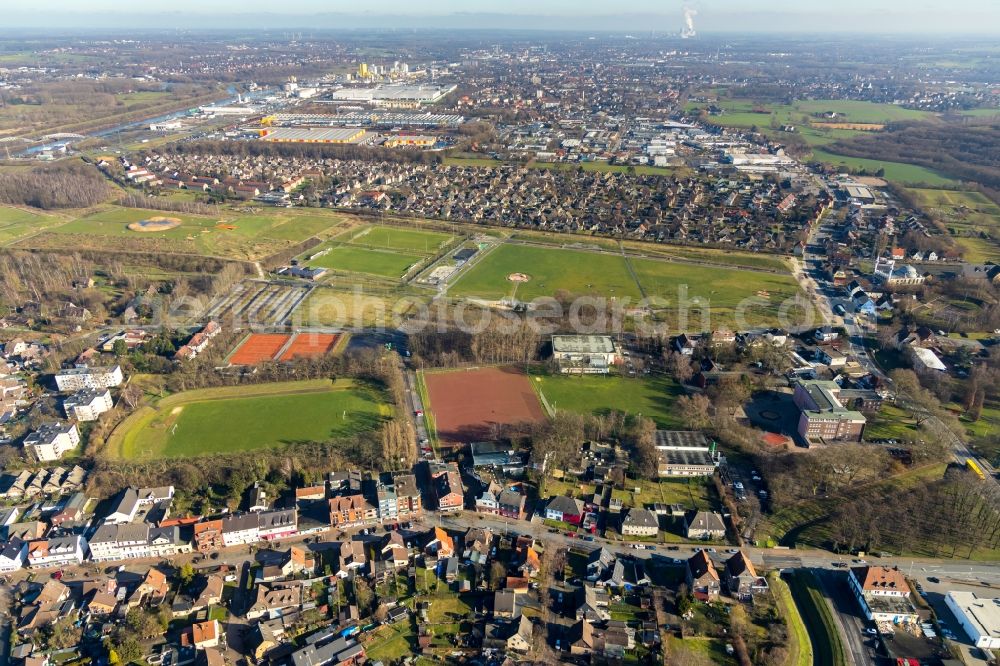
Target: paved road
x,y
847,615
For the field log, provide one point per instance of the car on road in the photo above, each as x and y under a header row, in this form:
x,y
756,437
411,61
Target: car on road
x,y
870,631
419,413
571,535
839,565
587,538
673,547
933,579
711,550
650,547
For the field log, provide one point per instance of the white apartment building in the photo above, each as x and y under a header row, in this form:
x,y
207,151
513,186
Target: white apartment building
x,y
52,440
88,404
75,379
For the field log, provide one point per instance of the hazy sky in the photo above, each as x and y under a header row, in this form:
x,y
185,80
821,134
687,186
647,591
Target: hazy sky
x,y
926,16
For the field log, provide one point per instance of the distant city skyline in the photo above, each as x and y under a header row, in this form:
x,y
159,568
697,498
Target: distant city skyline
x,y
752,16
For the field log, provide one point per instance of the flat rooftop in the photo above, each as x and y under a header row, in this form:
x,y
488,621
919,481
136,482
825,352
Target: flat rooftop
x,y
681,439
583,344
686,457
313,134
982,612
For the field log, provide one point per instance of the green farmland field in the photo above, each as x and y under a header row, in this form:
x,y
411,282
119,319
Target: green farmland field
x,y
383,263
652,396
244,418
903,173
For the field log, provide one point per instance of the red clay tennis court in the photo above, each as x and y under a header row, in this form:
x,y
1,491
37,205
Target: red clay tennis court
x,y
466,404
310,345
258,347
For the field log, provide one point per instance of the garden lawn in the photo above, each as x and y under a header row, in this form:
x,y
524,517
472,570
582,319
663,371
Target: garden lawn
x,y
383,263
216,421
653,396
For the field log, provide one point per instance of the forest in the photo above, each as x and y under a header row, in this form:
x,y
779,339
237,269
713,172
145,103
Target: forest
x,y
967,151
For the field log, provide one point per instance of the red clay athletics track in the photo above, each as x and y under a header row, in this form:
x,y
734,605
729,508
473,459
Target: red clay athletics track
x,y
310,345
258,347
466,403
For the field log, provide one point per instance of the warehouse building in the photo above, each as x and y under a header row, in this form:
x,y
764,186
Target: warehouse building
x,y
979,617
313,135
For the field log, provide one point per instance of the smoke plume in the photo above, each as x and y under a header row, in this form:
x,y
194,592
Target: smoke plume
x,y
688,29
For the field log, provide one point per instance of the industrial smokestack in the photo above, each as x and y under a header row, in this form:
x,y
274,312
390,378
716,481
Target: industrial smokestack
x,y
688,30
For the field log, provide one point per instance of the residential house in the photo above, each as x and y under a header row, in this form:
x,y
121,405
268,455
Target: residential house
x,y
56,552
124,508
704,525
277,524
741,578
505,606
441,544
71,510
275,599
350,556
883,594
599,563
205,634
211,594
351,511
208,536
13,555
702,578
510,504
640,523
565,509
448,490
240,529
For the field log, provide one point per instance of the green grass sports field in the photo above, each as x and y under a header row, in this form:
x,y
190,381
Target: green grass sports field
x,y
384,263
395,238
210,421
714,290
651,396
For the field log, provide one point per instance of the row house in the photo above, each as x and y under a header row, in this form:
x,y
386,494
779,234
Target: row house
x,y
278,524
56,552
351,511
132,541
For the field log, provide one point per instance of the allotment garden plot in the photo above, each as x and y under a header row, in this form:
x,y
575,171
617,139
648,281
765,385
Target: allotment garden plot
x,y
244,418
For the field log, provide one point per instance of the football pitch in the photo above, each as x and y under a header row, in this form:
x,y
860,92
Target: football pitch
x,y
211,421
719,291
350,259
652,396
